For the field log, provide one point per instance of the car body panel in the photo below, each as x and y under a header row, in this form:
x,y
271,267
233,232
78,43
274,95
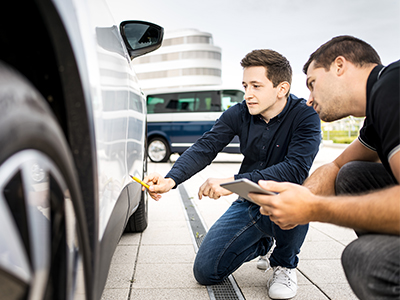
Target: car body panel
x,y
103,117
114,100
116,108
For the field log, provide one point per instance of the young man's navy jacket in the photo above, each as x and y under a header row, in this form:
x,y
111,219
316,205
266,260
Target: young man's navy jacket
x,y
282,149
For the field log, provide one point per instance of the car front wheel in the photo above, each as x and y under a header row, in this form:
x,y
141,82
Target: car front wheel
x,y
41,240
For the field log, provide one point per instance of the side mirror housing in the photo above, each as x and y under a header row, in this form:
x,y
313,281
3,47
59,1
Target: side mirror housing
x,y
141,37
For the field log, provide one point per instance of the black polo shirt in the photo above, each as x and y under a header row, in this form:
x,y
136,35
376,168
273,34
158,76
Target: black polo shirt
x,y
381,129
282,149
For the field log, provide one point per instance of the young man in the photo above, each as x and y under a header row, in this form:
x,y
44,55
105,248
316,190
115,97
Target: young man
x,y
279,138
345,77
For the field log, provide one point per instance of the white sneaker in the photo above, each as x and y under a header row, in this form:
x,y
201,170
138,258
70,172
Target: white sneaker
x,y
263,261
283,283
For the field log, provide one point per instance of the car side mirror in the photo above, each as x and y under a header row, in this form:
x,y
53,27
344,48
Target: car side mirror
x,y
141,37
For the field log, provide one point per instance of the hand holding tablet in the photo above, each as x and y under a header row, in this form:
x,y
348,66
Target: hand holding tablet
x,y
243,187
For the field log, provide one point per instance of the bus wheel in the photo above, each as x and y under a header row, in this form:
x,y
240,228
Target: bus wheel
x,y
158,150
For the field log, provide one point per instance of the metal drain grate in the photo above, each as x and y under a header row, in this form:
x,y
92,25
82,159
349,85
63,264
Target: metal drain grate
x,y
226,290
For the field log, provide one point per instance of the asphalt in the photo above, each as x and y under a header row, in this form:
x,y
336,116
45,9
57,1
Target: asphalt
x,y
157,264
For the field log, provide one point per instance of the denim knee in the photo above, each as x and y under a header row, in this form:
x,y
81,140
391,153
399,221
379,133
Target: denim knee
x,y
204,275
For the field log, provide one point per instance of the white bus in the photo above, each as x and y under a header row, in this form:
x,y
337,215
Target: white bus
x,y
177,118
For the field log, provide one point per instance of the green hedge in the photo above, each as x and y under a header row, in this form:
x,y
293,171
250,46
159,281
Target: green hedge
x,y
344,139
340,136
338,133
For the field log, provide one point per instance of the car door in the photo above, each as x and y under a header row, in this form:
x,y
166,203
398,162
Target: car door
x,y
111,108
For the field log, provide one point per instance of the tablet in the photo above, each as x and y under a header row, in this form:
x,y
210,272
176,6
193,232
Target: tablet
x,y
243,187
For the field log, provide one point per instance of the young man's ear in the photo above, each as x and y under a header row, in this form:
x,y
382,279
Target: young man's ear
x,y
284,88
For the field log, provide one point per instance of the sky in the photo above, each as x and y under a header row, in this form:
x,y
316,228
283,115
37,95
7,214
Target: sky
x,y
294,28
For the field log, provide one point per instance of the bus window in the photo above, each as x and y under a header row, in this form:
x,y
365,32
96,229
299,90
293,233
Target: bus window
x,y
208,101
184,102
231,97
156,104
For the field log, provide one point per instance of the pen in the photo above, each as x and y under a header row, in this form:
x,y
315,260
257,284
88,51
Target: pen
x,y
139,181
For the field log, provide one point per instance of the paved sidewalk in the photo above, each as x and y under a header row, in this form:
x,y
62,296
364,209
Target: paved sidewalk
x,y
157,264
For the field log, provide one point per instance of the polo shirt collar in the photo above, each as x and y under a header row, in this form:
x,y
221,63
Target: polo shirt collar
x,y
372,79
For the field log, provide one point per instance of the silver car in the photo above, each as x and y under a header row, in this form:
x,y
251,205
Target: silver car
x,y
72,131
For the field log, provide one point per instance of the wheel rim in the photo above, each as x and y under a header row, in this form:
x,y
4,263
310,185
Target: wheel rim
x,y
157,150
42,248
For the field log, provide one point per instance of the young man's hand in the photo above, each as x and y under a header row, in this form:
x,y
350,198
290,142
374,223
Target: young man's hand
x,y
211,188
158,185
290,207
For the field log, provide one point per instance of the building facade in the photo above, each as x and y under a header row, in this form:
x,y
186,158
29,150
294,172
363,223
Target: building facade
x,y
186,58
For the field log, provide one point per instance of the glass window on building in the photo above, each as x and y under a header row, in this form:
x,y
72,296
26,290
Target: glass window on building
x,y
173,41
199,39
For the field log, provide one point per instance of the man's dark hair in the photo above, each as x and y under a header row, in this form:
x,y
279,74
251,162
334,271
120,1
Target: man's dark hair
x,y
277,67
353,49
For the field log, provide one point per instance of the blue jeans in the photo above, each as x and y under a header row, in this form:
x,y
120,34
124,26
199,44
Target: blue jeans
x,y
240,235
371,262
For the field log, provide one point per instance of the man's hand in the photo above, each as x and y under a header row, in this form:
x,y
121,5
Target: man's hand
x,y
158,185
212,189
292,206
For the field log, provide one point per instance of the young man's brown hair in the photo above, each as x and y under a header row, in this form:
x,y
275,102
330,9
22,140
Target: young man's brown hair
x,y
353,49
277,67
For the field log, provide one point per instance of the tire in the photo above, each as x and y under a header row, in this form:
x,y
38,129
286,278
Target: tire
x,y
43,241
139,220
158,150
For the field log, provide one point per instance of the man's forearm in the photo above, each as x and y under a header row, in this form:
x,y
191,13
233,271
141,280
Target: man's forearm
x,y
378,211
322,180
